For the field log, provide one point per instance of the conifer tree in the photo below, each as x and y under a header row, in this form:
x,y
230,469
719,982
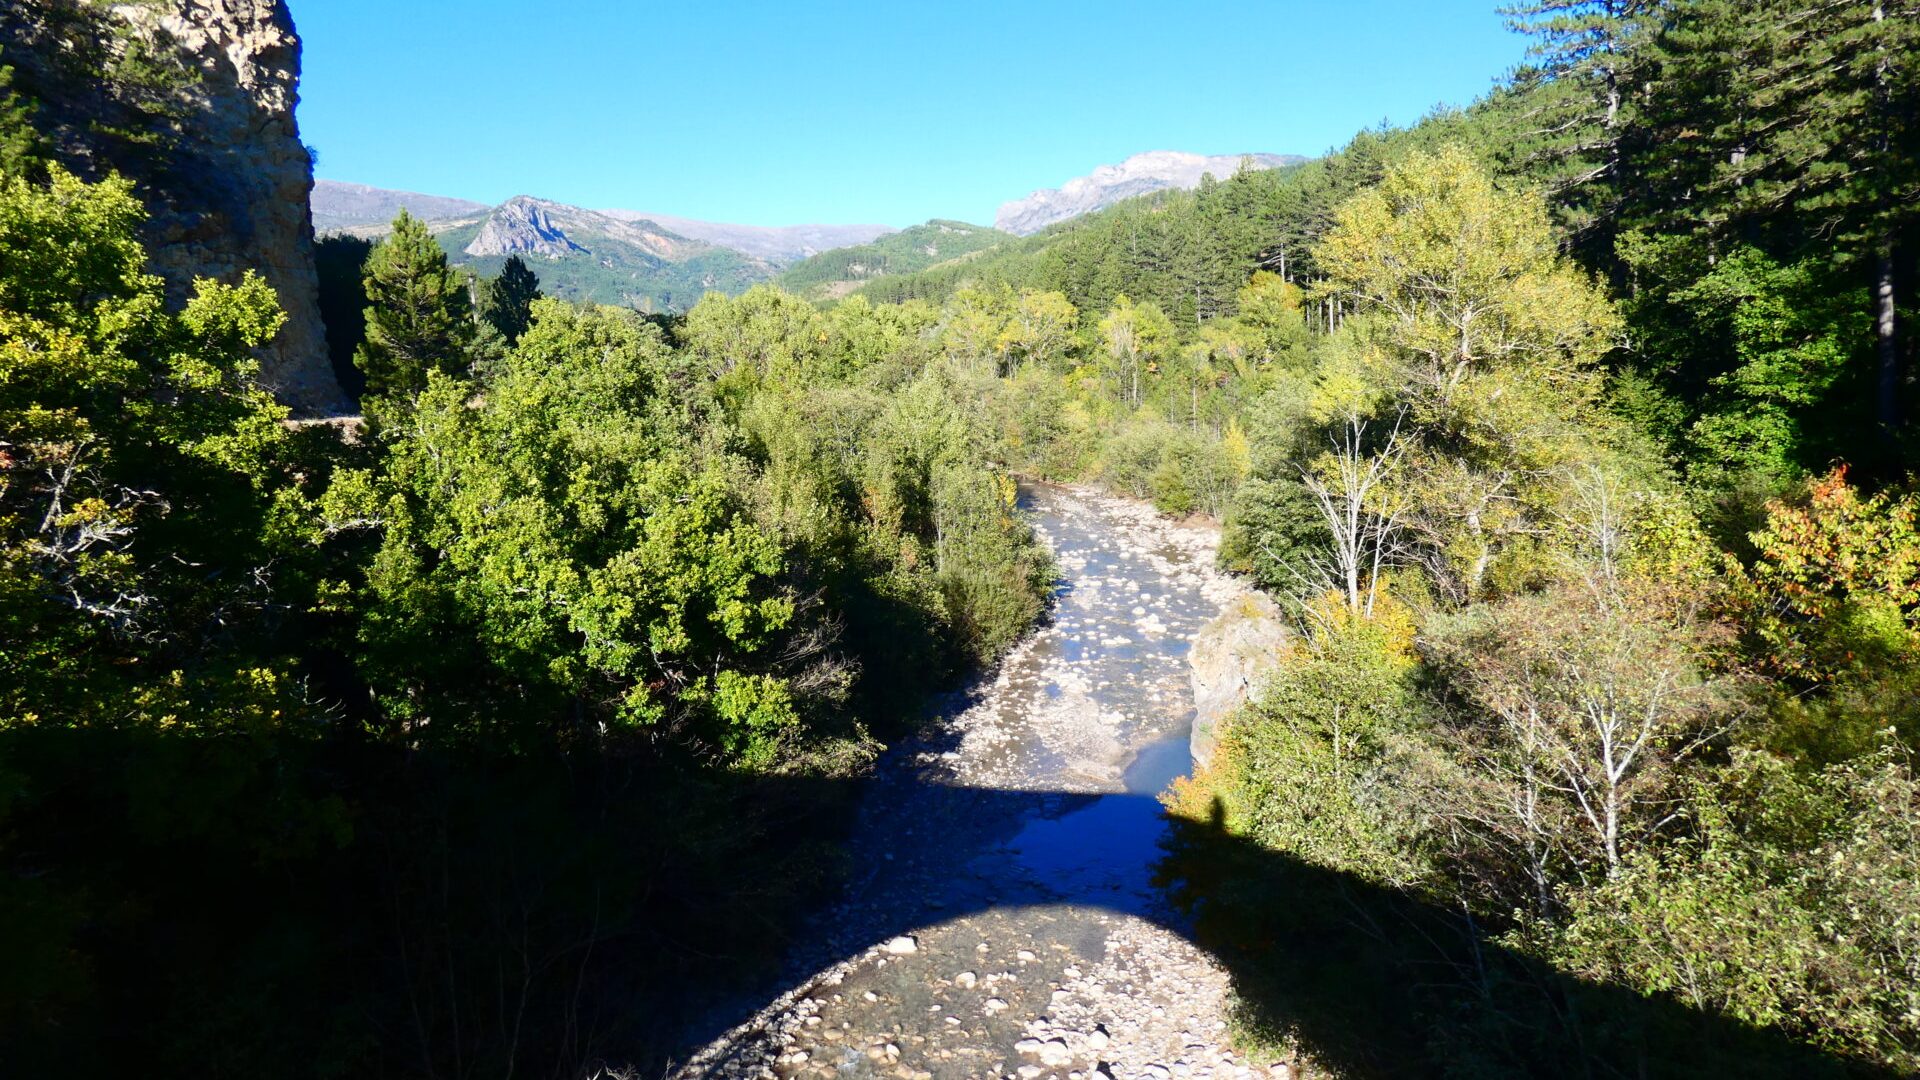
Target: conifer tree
x,y
419,317
509,299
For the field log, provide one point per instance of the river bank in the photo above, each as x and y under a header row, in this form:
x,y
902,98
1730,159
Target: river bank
x,y
1000,917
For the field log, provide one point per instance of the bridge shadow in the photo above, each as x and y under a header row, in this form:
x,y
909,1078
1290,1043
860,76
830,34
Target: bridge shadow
x,y
1365,980
249,906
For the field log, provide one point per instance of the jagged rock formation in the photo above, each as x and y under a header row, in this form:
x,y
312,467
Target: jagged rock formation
x,y
522,226
338,207
367,211
220,163
1230,656
1155,170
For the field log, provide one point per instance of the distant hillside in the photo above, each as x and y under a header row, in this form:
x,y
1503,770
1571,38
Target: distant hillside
x,y
587,255
1156,170
1187,251
339,207
778,244
835,273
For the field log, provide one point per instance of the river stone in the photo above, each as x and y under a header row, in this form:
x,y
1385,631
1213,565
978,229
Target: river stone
x,y
1228,659
903,945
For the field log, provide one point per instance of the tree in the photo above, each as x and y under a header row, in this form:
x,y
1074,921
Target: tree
x,y
20,145
1474,324
1836,587
1354,487
1793,125
973,327
1136,336
509,299
1041,328
1581,99
762,335
142,499
1273,309
562,527
1581,703
419,315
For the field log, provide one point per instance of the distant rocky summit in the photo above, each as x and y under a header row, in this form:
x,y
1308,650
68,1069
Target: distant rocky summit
x,y
1156,170
522,226
226,182
339,206
367,211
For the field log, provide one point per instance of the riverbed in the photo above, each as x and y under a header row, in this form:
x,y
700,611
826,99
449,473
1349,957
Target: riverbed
x,y
1000,917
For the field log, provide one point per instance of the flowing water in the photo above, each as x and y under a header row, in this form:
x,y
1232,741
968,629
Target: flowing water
x,y
1001,919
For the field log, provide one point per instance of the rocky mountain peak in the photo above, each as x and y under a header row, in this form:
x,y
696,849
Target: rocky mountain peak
x,y
1155,170
523,225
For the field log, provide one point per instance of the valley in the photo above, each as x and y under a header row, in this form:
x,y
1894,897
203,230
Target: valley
x,y
1445,607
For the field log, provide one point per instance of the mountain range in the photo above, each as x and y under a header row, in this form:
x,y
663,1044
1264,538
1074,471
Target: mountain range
x,y
340,207
662,262
1155,170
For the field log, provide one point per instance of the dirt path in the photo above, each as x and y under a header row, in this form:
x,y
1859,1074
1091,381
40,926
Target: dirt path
x,y
1001,920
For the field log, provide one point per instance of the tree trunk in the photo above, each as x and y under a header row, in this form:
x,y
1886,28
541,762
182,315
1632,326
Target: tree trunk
x,y
1887,345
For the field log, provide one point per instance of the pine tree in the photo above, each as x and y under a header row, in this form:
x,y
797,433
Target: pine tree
x,y
20,144
1792,124
1578,102
419,317
509,299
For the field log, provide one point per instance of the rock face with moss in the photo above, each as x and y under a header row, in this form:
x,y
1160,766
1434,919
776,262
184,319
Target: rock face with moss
x,y
1229,657
194,101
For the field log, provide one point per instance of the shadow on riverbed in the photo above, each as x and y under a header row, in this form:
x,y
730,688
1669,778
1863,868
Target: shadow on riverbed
x,y
1366,981
232,906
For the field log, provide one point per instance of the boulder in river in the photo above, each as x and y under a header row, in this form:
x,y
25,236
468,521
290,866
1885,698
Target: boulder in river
x,y
1229,657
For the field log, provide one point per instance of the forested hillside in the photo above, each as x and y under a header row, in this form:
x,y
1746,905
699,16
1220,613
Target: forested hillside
x,y
1573,432
833,274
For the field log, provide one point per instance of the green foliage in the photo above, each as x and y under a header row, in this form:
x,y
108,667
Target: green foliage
x,y
1797,906
525,677
565,529
1326,767
1274,528
1773,402
833,273
20,145
139,454
419,317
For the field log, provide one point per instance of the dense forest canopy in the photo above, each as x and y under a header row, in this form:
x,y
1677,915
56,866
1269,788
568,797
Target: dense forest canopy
x,y
1573,430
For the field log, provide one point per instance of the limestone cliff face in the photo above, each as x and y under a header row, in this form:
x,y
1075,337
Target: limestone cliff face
x,y
223,172
238,196
1230,657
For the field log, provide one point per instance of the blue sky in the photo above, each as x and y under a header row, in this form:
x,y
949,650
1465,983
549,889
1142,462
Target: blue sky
x,y
838,111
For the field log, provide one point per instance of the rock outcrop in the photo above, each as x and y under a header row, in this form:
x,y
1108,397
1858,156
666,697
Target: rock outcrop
x,y
1155,170
1229,658
522,226
217,155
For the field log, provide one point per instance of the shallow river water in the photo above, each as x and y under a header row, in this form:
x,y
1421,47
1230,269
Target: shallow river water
x,y
1000,919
